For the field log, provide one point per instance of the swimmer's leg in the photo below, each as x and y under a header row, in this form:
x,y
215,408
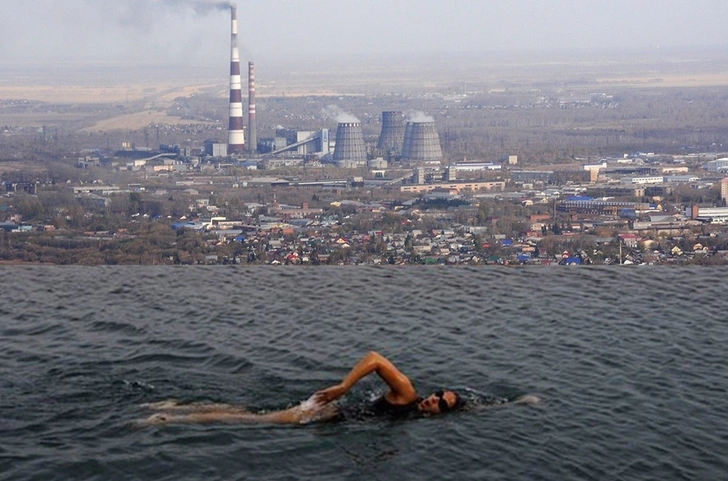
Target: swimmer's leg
x,y
528,399
154,420
200,413
301,414
168,404
498,403
173,405
200,418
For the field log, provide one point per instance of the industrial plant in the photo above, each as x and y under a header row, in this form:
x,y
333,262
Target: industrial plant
x,y
406,149
410,139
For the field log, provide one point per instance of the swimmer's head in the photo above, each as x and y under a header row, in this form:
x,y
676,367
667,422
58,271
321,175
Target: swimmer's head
x,y
440,402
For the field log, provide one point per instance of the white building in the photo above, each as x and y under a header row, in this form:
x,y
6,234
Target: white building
x,y
717,215
646,179
718,165
475,166
681,179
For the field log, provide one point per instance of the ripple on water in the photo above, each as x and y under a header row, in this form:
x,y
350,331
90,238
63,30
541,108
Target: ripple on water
x,y
629,363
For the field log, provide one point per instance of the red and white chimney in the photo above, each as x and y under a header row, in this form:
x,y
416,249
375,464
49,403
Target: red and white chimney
x,y
236,131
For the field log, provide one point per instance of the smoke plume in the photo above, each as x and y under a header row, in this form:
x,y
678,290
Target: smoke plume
x,y
200,7
143,15
335,112
417,116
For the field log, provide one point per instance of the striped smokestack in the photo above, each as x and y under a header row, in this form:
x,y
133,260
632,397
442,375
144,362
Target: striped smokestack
x,y
236,132
252,124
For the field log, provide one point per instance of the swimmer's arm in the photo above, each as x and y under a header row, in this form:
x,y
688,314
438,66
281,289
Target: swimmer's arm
x,y
401,389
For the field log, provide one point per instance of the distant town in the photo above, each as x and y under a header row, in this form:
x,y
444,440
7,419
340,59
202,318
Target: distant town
x,y
533,169
197,208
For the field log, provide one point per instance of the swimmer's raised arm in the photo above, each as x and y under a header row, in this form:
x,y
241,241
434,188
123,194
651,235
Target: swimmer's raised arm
x,y
401,390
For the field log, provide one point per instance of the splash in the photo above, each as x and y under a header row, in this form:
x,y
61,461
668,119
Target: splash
x,y
312,410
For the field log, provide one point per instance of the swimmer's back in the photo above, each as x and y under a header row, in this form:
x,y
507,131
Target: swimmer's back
x,y
380,408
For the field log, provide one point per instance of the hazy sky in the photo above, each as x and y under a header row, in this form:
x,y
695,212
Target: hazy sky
x,y
194,32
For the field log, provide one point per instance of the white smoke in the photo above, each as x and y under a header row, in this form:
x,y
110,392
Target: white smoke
x,y
417,116
341,116
200,7
142,15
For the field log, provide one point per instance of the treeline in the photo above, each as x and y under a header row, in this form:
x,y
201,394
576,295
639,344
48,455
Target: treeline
x,y
551,129
540,125
151,244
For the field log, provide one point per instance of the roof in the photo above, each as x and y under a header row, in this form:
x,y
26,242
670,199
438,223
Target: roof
x,y
579,198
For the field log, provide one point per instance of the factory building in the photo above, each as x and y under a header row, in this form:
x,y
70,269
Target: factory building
x,y
718,165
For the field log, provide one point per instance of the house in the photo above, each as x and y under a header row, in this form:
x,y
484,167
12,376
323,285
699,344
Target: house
x,y
630,240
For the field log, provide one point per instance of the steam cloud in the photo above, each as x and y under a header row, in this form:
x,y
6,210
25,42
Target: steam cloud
x,y
341,116
417,116
142,15
200,7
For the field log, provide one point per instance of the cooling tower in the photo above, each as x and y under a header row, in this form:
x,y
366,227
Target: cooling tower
x,y
392,136
350,143
421,142
406,140
252,123
236,132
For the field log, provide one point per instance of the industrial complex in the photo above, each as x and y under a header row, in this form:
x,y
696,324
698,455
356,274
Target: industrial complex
x,y
370,183
406,138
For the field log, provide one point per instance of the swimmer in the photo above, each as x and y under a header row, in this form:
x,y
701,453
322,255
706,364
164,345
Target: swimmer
x,y
400,401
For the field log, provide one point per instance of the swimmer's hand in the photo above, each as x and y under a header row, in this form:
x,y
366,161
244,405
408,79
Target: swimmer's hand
x,y
330,394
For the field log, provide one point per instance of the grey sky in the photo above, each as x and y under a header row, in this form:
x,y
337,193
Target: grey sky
x,y
180,32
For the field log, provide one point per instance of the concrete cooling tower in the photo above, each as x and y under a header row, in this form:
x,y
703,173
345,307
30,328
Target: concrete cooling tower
x,y
392,135
405,141
421,142
350,143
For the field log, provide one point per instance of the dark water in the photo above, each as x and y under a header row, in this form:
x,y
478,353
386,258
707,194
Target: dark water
x,y
630,363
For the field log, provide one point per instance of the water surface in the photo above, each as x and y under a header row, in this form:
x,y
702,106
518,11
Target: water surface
x,y
629,362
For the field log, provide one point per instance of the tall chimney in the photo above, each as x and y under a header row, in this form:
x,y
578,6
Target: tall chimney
x,y
252,124
236,132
